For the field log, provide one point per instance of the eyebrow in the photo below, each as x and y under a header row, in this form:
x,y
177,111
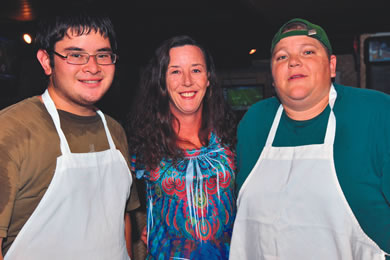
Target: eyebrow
x,y
80,49
193,65
303,45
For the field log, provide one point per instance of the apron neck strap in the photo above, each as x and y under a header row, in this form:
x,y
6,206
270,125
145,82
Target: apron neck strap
x,y
109,137
274,127
51,108
331,128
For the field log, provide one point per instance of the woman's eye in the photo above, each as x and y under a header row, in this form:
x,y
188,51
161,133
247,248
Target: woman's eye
x,y
308,52
281,57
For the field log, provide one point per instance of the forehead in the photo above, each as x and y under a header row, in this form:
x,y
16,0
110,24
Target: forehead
x,y
91,40
297,41
186,53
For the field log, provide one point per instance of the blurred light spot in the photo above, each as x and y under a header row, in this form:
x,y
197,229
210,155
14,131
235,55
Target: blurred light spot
x,y
252,51
27,38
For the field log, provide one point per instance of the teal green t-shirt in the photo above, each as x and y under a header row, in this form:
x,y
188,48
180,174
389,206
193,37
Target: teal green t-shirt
x,y
361,150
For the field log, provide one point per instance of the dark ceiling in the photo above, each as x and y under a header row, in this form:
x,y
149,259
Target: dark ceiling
x,y
229,28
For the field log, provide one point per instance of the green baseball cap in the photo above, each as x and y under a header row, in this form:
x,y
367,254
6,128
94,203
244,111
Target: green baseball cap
x,y
312,30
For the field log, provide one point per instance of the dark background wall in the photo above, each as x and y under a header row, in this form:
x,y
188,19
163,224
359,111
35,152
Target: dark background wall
x,y
229,28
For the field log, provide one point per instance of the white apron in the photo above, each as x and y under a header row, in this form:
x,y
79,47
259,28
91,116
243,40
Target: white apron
x,y
291,206
81,215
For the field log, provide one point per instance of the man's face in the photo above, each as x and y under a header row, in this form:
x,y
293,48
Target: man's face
x,y
302,72
75,88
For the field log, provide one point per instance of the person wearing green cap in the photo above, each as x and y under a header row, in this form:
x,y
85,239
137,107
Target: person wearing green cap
x,y
313,162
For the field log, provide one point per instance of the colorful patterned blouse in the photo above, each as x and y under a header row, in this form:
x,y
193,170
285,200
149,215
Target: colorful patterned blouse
x,y
192,205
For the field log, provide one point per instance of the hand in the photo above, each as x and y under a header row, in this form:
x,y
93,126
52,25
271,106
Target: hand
x,y
144,236
1,246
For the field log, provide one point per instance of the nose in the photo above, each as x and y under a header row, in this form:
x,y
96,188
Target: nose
x,y
92,66
187,79
294,61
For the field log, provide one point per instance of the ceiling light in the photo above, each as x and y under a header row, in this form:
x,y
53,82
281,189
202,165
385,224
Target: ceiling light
x,y
27,38
252,51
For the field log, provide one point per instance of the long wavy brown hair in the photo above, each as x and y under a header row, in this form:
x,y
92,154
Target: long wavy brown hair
x,y
149,124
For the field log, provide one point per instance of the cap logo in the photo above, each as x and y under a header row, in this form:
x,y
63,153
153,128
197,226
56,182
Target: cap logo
x,y
312,32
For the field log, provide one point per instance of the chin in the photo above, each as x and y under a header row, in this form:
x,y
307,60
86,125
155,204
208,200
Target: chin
x,y
300,93
88,101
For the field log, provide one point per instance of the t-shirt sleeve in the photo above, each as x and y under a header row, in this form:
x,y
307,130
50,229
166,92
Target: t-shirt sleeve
x,y
248,146
386,179
252,133
382,133
242,172
386,158
9,179
133,201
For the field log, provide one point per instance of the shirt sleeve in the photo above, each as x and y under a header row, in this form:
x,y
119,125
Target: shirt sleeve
x,y
133,202
248,149
385,185
9,179
384,140
120,140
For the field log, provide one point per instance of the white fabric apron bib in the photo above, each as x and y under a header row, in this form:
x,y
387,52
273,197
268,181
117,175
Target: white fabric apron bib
x,y
292,207
81,215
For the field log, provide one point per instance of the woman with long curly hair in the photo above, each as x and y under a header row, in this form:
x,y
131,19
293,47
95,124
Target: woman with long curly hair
x,y
183,134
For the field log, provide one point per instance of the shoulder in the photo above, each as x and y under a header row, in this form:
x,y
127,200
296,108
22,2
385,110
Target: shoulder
x,y
22,108
118,134
362,97
25,128
24,115
260,115
361,105
251,136
215,144
115,127
261,108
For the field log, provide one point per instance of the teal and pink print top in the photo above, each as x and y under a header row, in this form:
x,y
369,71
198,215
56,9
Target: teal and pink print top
x,y
191,205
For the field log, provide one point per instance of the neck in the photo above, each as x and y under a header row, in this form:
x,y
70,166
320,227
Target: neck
x,y
61,103
188,131
301,113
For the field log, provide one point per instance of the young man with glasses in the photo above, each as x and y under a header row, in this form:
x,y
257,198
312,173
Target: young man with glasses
x,y
65,185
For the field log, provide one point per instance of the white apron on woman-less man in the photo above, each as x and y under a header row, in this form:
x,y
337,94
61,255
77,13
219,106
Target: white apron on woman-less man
x,y
292,207
81,215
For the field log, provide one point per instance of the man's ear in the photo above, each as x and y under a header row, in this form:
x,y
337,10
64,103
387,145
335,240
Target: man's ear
x,y
332,66
44,59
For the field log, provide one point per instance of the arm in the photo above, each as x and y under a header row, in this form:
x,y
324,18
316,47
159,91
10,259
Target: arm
x,y
127,235
1,246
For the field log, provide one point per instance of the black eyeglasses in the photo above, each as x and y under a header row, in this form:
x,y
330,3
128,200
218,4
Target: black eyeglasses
x,y
81,58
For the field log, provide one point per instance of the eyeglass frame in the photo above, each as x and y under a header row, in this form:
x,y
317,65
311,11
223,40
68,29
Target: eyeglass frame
x,y
114,57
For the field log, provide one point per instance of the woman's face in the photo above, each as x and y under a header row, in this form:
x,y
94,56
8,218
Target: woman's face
x,y
186,80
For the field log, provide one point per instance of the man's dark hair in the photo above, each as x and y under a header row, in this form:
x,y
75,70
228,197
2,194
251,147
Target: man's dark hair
x,y
54,28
